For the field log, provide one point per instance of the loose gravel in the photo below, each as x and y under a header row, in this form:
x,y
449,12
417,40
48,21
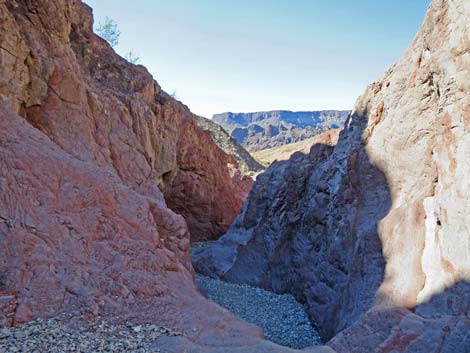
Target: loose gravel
x,y
282,319
62,335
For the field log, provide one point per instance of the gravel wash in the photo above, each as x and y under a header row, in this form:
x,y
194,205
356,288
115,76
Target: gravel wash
x,y
62,335
281,317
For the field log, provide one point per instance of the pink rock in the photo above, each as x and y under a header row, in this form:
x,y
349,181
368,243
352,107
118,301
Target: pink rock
x,y
23,313
7,308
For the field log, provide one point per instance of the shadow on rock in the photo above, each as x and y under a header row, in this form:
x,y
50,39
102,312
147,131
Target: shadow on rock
x,y
309,228
440,325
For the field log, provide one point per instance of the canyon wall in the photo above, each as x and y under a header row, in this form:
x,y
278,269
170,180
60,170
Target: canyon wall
x,y
373,233
68,83
103,177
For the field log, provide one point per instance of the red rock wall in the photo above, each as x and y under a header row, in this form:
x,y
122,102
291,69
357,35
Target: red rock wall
x,y
91,151
70,84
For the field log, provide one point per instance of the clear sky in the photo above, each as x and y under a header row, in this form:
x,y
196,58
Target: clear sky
x,y
253,55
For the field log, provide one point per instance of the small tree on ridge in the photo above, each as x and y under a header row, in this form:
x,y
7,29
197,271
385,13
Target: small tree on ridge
x,y
133,59
109,31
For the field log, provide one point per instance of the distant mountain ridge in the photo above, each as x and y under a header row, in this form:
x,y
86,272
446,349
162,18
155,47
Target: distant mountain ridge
x,y
261,130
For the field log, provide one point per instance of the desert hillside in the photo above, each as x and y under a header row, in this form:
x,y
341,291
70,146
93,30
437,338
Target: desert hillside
x,y
283,153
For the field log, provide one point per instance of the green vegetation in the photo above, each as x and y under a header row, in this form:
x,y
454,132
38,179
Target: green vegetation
x,y
109,31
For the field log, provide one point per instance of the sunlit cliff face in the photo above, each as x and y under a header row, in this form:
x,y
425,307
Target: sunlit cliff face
x,y
422,144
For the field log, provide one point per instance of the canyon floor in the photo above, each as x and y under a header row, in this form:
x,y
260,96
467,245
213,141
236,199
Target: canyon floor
x,y
281,318
66,333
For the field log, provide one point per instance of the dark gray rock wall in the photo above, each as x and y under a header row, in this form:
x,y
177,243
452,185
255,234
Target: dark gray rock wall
x,y
295,231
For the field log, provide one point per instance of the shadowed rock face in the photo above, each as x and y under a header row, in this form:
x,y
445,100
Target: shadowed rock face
x,y
438,325
92,152
263,130
90,149
381,220
294,233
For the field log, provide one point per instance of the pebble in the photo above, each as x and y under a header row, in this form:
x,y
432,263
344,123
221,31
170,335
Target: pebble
x,y
281,317
5,333
57,335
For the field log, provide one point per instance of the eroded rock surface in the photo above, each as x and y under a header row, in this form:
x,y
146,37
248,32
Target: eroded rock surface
x,y
69,83
92,154
381,220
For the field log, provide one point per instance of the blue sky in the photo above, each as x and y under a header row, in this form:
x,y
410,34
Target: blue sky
x,y
253,55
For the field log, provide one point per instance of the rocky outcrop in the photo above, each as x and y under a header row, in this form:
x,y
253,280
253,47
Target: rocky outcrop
x,y
92,153
263,130
207,187
69,84
248,165
372,234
